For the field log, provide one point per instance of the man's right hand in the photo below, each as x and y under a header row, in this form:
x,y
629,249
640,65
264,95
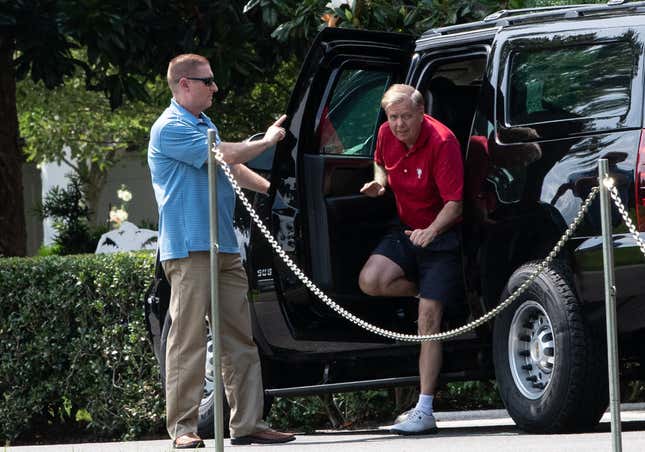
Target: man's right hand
x,y
243,151
276,132
373,189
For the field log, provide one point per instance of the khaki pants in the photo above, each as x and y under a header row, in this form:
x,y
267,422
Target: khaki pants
x,y
186,345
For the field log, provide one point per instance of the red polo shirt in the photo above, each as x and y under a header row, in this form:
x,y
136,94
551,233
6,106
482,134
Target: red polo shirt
x,y
424,177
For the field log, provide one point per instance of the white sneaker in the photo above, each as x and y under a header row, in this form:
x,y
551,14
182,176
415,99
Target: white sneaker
x,y
417,423
403,416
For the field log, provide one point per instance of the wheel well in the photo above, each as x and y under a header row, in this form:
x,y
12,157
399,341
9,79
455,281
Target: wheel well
x,y
513,244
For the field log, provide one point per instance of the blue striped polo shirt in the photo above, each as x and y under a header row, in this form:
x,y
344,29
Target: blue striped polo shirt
x,y
177,157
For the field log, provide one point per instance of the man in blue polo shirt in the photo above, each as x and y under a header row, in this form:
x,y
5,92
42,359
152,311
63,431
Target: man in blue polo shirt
x,y
177,156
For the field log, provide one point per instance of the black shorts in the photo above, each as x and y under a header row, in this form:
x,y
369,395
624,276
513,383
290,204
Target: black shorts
x,y
436,268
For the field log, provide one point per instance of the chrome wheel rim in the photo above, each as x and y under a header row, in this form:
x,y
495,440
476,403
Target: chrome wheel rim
x,y
531,349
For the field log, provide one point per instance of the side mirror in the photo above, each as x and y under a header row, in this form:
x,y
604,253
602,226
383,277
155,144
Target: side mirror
x,y
264,161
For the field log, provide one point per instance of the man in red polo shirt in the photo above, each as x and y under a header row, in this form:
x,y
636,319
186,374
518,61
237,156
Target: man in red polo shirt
x,y
420,159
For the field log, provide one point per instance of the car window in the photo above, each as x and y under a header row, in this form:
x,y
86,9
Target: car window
x,y
349,119
584,81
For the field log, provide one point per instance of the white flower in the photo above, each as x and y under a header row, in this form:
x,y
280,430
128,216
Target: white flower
x,y
118,216
124,195
339,3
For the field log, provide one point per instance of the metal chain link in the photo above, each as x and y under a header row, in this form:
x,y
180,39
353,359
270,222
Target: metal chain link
x,y
613,192
381,331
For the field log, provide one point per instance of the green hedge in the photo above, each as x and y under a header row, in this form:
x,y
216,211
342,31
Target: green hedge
x,y
74,353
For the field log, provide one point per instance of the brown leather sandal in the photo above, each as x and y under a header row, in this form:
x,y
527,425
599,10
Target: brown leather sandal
x,y
196,443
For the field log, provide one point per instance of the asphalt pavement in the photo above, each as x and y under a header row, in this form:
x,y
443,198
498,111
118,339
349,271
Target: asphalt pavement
x,y
464,431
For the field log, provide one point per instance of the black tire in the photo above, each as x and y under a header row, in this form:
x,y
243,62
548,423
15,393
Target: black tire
x,y
206,421
565,388
206,428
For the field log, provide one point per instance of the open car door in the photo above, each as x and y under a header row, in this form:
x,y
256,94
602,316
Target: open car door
x,y
317,212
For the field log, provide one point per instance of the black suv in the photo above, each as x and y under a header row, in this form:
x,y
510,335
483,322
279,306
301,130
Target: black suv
x,y
535,98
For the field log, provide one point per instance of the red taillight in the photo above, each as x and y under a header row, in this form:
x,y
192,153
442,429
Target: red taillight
x,y
640,184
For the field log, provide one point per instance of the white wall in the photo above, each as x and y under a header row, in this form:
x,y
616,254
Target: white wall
x,y
31,184
134,173
52,175
131,171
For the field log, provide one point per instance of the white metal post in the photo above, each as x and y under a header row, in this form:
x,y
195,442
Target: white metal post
x,y
215,321
610,306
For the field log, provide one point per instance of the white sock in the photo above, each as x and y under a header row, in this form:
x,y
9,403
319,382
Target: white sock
x,y
425,403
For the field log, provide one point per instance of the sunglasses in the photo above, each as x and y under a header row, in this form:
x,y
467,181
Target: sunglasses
x,y
208,81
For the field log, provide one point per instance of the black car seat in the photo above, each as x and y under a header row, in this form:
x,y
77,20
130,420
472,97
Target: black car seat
x,y
453,105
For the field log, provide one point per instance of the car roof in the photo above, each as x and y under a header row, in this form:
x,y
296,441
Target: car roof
x,y
530,17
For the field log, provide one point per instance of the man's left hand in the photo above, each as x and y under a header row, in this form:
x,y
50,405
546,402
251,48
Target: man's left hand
x,y
421,237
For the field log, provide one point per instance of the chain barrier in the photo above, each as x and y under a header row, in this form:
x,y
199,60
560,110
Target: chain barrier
x,y
392,334
613,192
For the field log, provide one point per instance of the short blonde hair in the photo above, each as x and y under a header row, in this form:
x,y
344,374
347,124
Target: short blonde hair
x,y
399,93
183,66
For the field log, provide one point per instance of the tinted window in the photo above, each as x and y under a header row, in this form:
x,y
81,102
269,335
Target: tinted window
x,y
350,117
570,82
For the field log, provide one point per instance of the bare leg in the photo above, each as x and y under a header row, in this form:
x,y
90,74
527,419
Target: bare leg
x,y
430,356
419,420
381,276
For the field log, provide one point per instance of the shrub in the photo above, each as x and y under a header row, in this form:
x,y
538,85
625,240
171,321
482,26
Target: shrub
x,y
468,395
342,410
74,349
70,214
300,413
368,408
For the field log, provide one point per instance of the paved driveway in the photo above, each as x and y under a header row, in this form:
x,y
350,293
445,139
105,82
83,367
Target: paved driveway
x,y
477,431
